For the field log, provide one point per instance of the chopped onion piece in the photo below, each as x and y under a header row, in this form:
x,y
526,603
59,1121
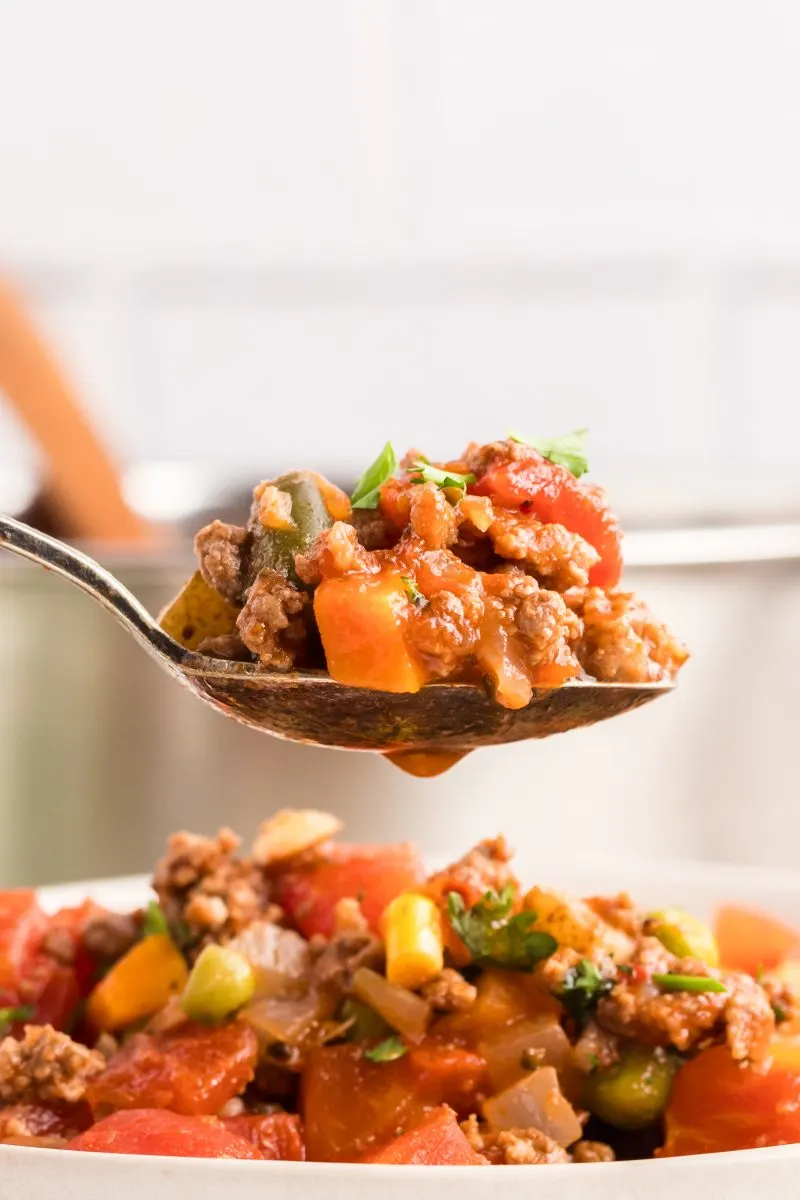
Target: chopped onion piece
x,y
284,1018
279,957
290,832
535,1100
406,1012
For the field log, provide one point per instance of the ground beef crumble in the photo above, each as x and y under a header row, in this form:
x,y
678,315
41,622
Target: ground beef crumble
x,y
513,1147
622,642
449,992
637,1008
203,885
273,622
221,551
45,1066
559,559
592,1152
483,868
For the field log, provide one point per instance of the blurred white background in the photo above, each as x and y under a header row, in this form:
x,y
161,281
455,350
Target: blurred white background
x,y
356,219
261,234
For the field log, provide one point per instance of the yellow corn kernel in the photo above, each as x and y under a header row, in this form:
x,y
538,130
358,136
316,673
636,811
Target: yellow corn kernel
x,y
412,931
140,983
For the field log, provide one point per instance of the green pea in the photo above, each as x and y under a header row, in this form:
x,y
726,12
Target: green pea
x,y
221,981
633,1093
684,935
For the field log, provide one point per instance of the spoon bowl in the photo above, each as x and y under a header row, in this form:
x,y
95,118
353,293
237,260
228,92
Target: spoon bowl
x,y
440,723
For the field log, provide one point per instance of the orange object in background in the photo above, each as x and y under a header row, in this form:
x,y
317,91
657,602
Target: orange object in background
x,y
719,1104
749,940
81,496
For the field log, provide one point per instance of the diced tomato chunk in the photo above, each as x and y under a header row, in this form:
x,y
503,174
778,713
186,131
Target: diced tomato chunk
x,y
45,1120
22,927
556,497
381,1097
59,995
437,1141
278,1136
719,1104
193,1070
749,940
372,874
154,1131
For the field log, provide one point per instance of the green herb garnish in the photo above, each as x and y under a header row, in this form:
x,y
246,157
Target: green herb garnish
x,y
493,937
780,1013
366,493
387,1051
154,920
688,983
568,451
421,471
582,988
8,1016
412,591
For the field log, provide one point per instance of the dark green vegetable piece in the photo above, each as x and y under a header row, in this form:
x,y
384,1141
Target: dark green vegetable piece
x,y
8,1016
688,983
634,1093
154,920
274,549
493,937
568,451
387,1051
583,986
412,591
366,493
366,1023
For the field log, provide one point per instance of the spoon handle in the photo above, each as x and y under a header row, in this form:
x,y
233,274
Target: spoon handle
x,y
93,579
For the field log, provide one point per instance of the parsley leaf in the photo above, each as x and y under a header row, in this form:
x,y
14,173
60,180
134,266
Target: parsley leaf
x,y
412,591
568,451
366,493
422,471
493,937
387,1051
688,983
583,986
8,1016
154,920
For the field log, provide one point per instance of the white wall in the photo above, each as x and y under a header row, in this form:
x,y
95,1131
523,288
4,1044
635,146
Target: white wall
x,y
491,212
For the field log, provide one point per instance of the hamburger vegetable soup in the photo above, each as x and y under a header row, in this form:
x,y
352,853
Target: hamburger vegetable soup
x,y
501,567
468,1017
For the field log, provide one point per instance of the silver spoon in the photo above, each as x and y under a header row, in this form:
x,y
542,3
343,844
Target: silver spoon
x,y
423,732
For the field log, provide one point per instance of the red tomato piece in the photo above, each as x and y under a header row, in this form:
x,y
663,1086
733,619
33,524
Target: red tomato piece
x,y
381,1097
373,874
556,497
73,922
45,1120
154,1131
22,927
719,1104
59,996
193,1070
278,1136
748,939
436,1142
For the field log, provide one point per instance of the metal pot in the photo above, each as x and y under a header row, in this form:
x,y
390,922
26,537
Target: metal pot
x,y
94,774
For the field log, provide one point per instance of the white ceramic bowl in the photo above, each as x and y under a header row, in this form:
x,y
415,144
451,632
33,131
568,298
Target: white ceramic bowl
x,y
772,1174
